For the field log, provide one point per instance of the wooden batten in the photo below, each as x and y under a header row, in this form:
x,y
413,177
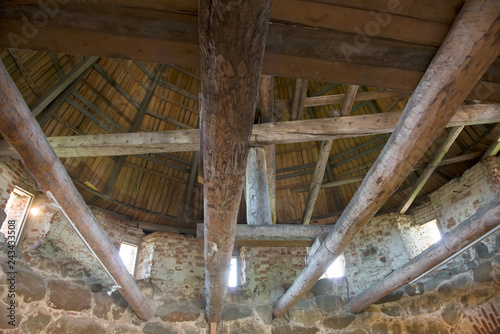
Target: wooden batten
x,y
469,49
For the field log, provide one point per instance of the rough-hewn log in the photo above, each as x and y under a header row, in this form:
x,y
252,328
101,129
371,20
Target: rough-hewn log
x,y
293,50
431,167
280,235
20,129
298,99
267,110
316,101
232,38
257,190
469,49
262,134
323,156
461,236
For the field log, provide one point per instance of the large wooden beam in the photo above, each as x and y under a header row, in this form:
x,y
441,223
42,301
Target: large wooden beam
x,y
469,49
464,234
20,129
293,50
262,134
280,235
431,167
232,39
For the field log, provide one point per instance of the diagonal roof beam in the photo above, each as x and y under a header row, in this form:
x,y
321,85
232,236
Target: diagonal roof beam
x,y
431,167
323,156
469,49
461,237
298,99
232,38
20,128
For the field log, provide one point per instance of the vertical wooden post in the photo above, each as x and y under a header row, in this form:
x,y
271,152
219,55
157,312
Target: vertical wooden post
x,y
257,190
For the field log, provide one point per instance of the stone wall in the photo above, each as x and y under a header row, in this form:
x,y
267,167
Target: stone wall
x,y
9,176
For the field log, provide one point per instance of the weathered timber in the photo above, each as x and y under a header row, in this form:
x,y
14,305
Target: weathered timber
x,y
431,167
293,50
323,158
262,134
232,38
452,242
278,235
494,147
190,186
60,86
298,99
267,110
19,127
257,190
468,50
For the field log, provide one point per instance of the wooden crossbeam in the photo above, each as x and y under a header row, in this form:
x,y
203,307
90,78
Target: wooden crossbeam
x,y
268,235
431,167
262,134
232,38
469,49
293,50
20,128
465,233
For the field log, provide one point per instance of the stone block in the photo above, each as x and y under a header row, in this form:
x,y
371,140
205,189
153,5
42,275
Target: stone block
x,y
482,273
421,305
452,314
417,326
74,270
339,321
36,322
4,320
235,312
247,327
287,329
29,285
392,310
157,328
73,325
175,312
329,304
105,303
265,313
123,330
477,297
68,296
304,312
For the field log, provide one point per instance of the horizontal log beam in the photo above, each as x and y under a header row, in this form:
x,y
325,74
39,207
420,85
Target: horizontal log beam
x,y
293,50
452,242
279,235
262,134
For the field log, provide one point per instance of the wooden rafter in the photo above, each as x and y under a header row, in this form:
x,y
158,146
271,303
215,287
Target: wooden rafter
x,y
232,37
431,167
21,129
298,99
468,50
452,242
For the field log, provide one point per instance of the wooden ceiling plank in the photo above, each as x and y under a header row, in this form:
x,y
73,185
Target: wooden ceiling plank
x,y
468,50
466,233
24,72
232,40
429,170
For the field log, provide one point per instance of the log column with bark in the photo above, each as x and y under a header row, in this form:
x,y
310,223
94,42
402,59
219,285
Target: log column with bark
x,y
232,39
469,49
21,130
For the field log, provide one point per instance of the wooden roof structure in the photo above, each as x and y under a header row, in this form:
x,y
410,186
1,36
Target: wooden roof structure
x,y
116,89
